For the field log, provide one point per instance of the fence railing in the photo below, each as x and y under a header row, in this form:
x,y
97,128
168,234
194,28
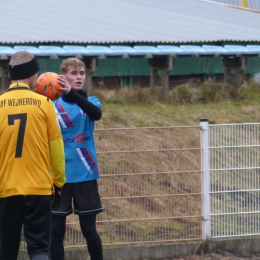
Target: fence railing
x,y
150,186
235,180
163,184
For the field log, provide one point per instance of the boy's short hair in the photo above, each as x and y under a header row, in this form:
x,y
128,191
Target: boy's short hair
x,y
74,63
21,57
23,65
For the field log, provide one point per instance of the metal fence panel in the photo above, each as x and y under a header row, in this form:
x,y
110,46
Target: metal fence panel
x,y
235,180
150,186
151,181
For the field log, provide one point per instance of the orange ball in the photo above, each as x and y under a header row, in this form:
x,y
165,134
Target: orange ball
x,y
47,85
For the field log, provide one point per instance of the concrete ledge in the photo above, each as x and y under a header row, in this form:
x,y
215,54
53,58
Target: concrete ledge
x,y
243,246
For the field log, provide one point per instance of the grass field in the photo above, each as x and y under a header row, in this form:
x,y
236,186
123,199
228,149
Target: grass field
x,y
185,105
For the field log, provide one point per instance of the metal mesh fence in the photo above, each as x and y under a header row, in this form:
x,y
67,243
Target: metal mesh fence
x,y
235,180
150,186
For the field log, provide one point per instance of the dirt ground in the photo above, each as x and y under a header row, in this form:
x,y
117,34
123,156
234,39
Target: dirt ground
x,y
218,256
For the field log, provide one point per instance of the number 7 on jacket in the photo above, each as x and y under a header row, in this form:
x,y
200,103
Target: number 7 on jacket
x,y
21,130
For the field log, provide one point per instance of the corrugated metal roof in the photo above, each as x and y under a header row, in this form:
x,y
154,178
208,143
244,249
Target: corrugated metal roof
x,y
252,4
124,21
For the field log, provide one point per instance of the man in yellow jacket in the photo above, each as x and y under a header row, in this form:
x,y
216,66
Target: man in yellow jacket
x,y
31,162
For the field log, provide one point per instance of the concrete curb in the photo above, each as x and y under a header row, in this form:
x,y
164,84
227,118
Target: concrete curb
x,y
244,246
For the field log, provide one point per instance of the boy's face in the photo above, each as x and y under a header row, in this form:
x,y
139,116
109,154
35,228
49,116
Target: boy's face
x,y
76,77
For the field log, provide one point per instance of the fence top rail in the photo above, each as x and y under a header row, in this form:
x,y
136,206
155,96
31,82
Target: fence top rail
x,y
234,124
146,127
